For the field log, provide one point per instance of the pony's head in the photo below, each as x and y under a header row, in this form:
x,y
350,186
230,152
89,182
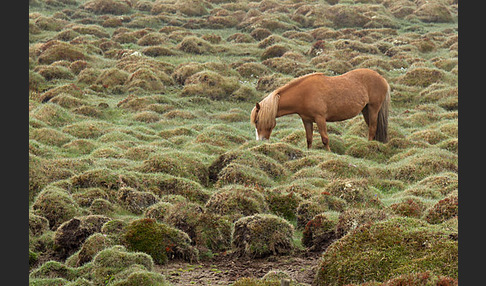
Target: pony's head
x,y
263,116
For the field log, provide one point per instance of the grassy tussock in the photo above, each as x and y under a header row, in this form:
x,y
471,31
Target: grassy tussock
x,y
115,7
56,205
123,266
236,201
208,231
172,164
139,117
262,235
209,84
57,50
404,246
158,240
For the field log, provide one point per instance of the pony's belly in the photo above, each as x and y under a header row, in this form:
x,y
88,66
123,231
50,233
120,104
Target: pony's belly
x,y
340,112
341,118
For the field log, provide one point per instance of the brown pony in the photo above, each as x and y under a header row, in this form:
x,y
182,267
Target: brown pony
x,y
320,99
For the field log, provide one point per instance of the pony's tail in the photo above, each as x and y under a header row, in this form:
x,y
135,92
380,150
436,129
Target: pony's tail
x,y
382,124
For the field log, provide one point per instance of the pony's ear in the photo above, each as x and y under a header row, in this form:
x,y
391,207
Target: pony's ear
x,y
257,106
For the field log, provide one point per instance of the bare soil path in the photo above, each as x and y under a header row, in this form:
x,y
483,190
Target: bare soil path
x,y
225,270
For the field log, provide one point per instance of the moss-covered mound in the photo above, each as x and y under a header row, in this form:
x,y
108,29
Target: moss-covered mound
x,y
236,173
195,45
433,187
316,204
352,218
111,266
208,231
210,84
245,168
279,151
91,246
410,207
117,260
283,203
112,77
422,278
380,251
417,165
56,205
422,76
116,7
444,209
262,235
145,79
56,50
354,192
159,240
141,277
435,11
236,201
320,231
167,185
344,168
179,164
102,177
136,201
70,235
54,269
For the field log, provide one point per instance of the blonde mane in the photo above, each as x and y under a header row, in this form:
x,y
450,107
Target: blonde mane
x,y
269,105
268,111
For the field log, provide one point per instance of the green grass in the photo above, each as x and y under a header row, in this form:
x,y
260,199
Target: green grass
x,y
174,128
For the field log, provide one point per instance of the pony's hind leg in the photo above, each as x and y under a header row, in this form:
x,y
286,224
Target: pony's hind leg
x,y
308,131
372,121
365,115
321,124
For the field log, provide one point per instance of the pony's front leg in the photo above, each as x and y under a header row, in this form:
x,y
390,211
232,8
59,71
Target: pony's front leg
x,y
308,131
321,124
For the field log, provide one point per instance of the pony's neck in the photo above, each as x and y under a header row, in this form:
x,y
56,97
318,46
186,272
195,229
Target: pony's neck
x,y
285,106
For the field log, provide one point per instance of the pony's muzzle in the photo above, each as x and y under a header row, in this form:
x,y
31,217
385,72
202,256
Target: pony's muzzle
x,y
259,137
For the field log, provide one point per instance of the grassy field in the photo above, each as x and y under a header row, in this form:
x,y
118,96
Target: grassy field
x,y
141,152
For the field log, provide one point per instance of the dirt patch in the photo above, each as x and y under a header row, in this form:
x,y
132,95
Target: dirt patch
x,y
225,269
